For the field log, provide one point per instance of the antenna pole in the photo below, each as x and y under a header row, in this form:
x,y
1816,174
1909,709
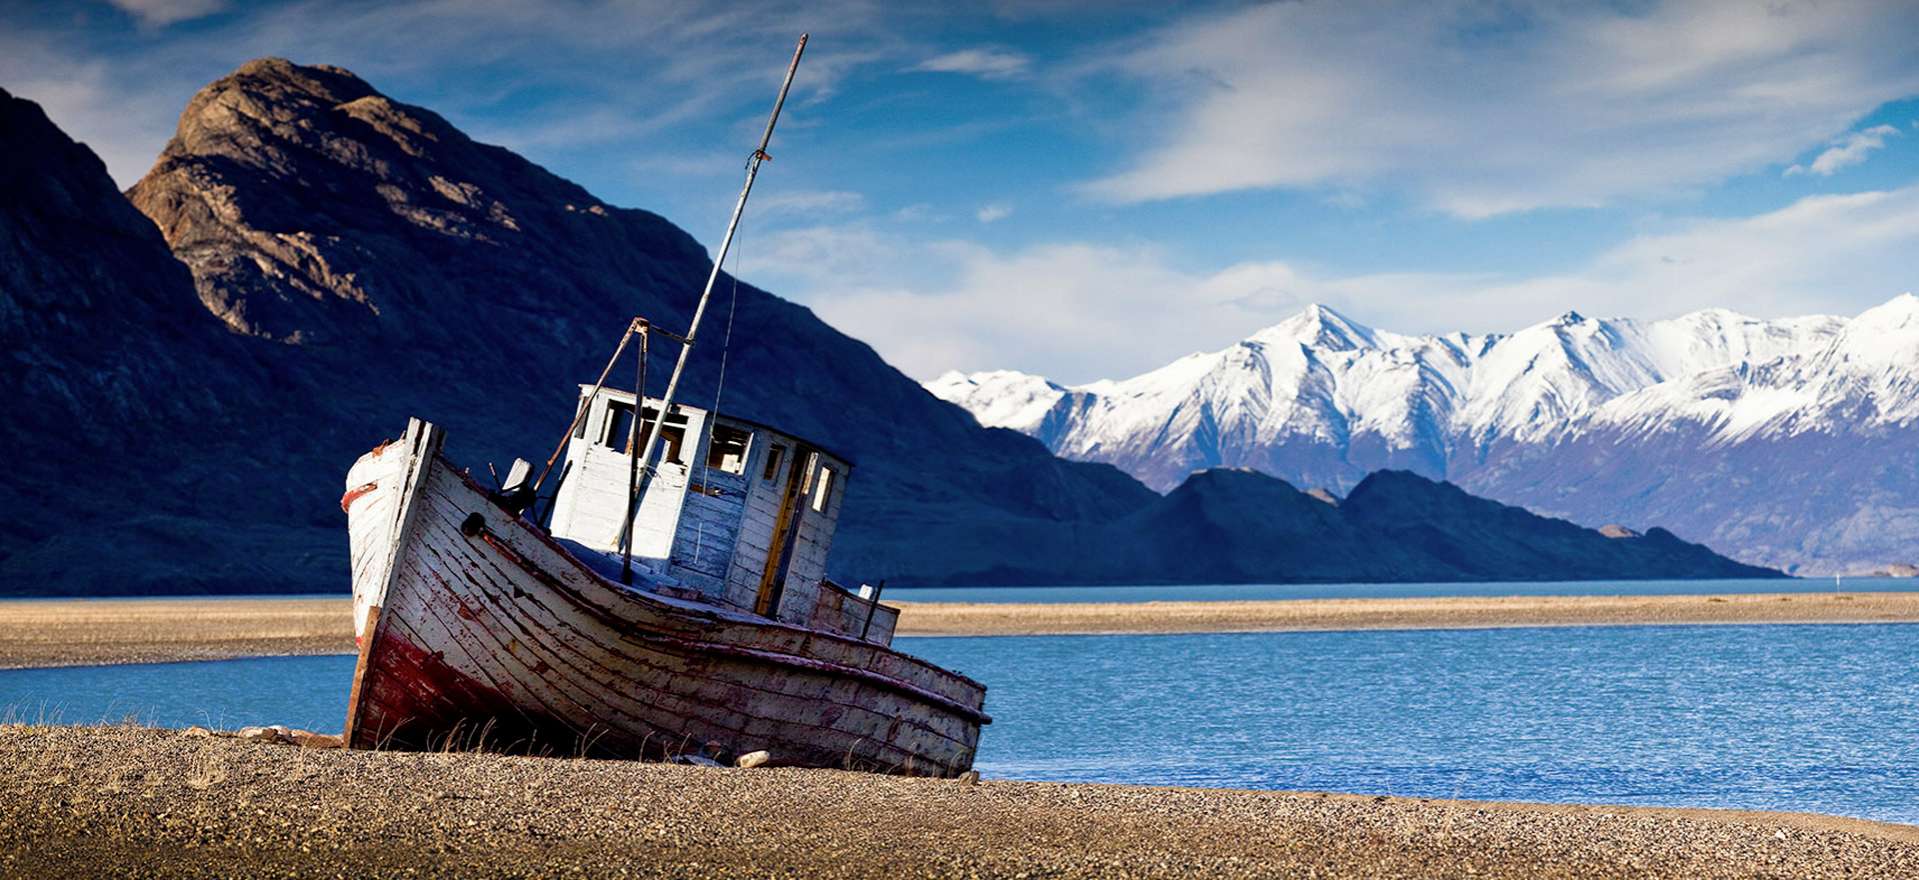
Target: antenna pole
x,y
759,155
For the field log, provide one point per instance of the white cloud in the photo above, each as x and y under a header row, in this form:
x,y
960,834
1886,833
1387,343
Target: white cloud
x,y
983,63
824,256
1847,151
160,13
918,212
1068,310
1836,253
807,202
1081,311
1484,109
613,72
994,212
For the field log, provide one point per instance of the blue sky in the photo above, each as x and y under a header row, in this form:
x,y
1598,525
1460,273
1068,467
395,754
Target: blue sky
x,y
1090,190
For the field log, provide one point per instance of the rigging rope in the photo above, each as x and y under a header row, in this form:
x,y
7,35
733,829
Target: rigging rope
x,y
726,346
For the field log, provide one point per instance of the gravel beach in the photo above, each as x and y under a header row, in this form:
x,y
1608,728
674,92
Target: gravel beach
x,y
123,801
70,632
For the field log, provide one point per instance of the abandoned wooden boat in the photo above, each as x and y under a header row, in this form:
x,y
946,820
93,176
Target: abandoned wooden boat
x,y
668,605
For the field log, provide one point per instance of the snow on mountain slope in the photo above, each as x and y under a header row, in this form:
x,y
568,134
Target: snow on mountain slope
x,y
1317,379
1365,396
1833,376
1321,400
1000,398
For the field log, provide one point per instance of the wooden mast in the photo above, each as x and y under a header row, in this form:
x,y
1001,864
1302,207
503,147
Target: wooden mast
x,y
633,458
645,460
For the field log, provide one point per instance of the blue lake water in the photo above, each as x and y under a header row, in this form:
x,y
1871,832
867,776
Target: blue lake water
x,y
1257,592
1820,718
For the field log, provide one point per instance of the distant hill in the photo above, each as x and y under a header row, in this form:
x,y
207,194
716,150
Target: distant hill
x,y
1789,442
317,262
1394,526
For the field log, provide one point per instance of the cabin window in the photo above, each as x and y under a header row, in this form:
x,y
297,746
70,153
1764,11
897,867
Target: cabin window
x,y
616,425
728,450
773,457
619,421
812,470
823,490
670,438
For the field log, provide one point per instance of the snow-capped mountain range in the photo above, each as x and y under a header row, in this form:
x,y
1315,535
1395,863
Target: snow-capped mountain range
x,y
1785,442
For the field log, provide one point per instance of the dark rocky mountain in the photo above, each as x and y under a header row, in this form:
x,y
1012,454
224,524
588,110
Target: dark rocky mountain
x,y
91,314
118,383
1481,539
350,261
1231,526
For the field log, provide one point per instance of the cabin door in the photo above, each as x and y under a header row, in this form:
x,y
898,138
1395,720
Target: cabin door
x,y
779,556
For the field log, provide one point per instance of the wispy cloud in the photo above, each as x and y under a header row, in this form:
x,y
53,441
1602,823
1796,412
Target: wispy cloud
x,y
809,202
1847,151
538,81
983,63
160,13
1488,109
1073,311
994,212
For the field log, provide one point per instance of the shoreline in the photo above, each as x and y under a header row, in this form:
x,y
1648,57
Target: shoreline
x,y
128,800
1403,613
84,632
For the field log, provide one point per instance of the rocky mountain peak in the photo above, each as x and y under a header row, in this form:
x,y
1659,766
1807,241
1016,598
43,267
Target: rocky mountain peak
x,y
55,196
49,175
265,104
1000,398
302,198
1320,326
1899,313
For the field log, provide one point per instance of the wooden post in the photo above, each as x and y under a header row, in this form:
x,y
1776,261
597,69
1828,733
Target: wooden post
x,y
633,459
786,529
872,607
553,500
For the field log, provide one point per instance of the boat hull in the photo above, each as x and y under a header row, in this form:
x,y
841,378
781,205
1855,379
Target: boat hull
x,y
482,632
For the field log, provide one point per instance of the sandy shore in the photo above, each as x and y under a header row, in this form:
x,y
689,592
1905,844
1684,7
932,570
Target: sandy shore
x,y
73,632
1407,613
70,632
122,801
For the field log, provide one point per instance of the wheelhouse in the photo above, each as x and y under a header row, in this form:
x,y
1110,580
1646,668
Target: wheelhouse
x,y
736,514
